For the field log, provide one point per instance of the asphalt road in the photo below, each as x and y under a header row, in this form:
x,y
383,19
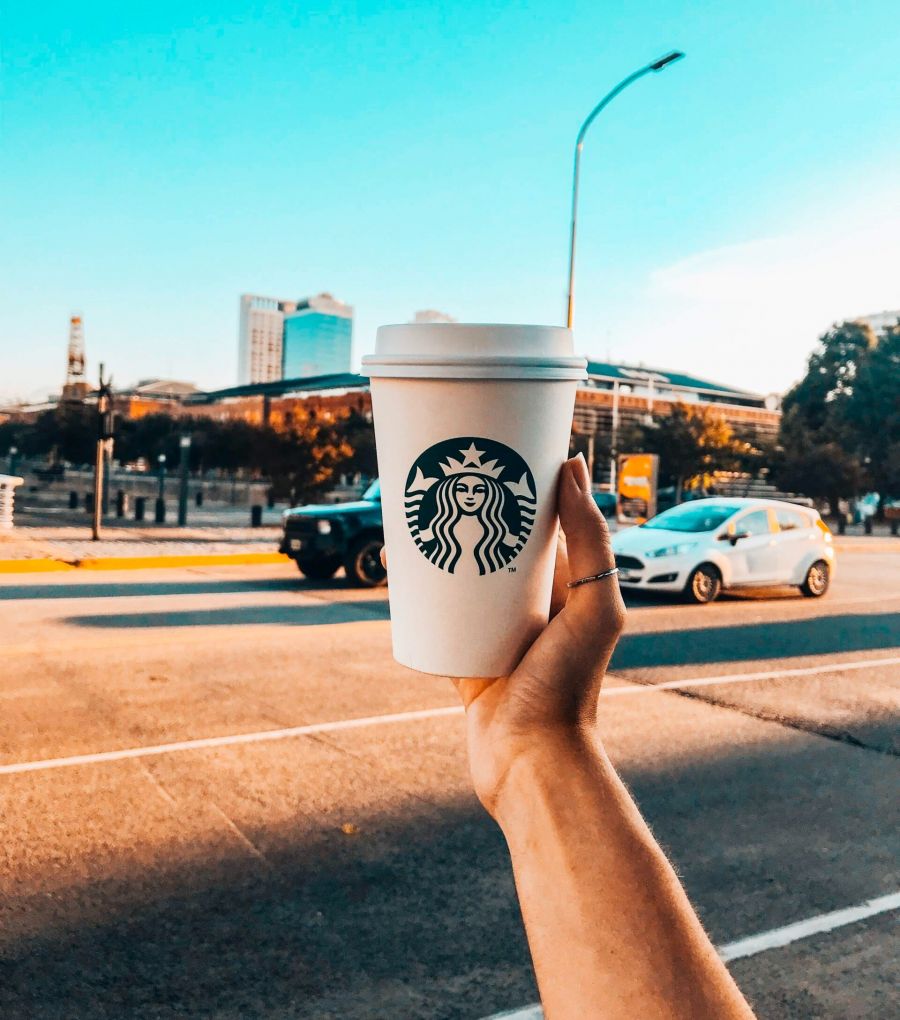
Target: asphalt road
x,y
347,871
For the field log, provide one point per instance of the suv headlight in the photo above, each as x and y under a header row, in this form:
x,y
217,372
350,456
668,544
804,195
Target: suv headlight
x,y
323,527
671,550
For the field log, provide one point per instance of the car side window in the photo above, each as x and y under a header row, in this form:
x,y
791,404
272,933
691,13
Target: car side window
x,y
756,523
790,520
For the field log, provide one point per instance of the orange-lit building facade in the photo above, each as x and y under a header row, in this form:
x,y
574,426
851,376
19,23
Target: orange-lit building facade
x,y
613,397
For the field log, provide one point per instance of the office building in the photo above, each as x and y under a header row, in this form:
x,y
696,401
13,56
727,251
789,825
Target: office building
x,y
261,338
318,335
432,315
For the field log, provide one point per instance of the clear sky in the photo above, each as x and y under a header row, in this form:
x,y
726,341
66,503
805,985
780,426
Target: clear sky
x,y
160,159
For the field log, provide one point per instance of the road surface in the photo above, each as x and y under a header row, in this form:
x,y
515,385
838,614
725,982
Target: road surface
x,y
197,824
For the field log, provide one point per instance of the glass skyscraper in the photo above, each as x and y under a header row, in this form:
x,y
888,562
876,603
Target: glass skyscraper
x,y
317,338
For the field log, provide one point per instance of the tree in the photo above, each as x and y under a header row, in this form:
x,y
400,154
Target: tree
x,y
872,414
816,468
841,422
692,442
823,394
302,461
356,430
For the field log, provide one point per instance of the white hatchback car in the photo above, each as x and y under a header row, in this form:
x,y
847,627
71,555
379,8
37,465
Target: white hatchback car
x,y
701,547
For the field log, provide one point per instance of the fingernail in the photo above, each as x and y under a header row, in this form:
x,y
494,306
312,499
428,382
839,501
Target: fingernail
x,y
580,473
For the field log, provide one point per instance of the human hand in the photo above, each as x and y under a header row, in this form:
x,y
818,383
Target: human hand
x,y
548,705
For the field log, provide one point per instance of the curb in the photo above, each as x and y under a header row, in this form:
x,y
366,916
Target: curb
x,y
141,562
857,544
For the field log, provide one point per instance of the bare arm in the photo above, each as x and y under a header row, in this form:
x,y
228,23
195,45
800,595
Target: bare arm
x,y
611,932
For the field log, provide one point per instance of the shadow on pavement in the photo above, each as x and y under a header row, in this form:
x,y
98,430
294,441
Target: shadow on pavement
x,y
415,916
139,588
821,635
241,616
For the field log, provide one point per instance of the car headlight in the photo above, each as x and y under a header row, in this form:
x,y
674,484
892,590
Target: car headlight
x,y
671,550
323,527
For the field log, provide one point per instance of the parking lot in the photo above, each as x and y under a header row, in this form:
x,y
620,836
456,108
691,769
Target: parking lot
x,y
220,797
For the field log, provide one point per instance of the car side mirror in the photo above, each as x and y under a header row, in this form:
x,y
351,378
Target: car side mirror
x,y
734,537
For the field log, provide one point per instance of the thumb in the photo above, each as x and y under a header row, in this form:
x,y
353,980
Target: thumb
x,y
587,535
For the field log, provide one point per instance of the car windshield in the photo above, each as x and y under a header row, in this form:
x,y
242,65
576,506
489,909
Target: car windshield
x,y
692,517
373,493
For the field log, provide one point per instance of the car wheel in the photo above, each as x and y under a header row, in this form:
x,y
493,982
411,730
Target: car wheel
x,y
319,570
704,585
817,579
363,564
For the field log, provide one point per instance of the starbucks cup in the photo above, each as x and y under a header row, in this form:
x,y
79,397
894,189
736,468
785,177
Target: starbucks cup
x,y
472,425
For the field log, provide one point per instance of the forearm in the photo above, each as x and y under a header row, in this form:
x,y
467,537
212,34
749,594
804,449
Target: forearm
x,y
611,931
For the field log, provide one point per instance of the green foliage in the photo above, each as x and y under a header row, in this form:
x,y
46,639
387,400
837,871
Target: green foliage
x,y
840,432
692,442
357,431
301,462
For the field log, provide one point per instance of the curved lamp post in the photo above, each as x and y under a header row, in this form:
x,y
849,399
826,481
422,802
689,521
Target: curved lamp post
x,y
657,65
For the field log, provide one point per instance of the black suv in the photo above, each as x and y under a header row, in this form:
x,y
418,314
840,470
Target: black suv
x,y
320,539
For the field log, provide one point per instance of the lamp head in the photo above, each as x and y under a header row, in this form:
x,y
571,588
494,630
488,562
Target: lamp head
x,y
669,58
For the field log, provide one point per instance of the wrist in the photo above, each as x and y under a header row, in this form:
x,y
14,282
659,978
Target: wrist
x,y
544,765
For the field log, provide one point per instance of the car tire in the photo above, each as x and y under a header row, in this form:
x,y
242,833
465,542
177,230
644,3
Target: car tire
x,y
363,563
817,580
704,585
318,570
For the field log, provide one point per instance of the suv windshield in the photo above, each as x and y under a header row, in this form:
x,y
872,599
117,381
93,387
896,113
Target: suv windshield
x,y
373,493
692,517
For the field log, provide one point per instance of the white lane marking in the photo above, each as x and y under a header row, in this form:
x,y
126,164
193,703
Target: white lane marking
x,y
817,925
403,717
745,678
776,938
228,741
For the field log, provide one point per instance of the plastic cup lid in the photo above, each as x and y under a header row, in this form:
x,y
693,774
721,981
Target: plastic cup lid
x,y
443,350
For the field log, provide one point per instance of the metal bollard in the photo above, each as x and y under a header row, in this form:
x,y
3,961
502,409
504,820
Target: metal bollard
x,y
73,500
867,525
894,524
198,497
160,515
842,525
140,507
256,516
89,502
121,504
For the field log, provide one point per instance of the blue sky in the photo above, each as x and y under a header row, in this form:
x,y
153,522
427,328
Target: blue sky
x,y
161,159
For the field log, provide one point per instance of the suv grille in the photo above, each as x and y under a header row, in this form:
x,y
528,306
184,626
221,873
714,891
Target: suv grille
x,y
629,563
301,525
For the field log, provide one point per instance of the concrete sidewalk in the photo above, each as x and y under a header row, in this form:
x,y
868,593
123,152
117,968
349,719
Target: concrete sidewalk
x,y
65,548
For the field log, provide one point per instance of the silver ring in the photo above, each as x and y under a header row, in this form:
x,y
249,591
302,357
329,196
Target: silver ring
x,y
594,577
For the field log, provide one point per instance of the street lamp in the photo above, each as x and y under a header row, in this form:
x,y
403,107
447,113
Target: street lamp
x,y
657,65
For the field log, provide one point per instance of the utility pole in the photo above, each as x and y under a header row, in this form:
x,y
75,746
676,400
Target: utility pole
x,y
105,425
184,453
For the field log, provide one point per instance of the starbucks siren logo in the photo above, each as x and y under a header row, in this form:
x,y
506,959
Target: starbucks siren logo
x,y
470,504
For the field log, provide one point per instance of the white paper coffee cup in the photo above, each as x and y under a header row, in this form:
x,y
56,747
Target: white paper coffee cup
x,y
472,425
